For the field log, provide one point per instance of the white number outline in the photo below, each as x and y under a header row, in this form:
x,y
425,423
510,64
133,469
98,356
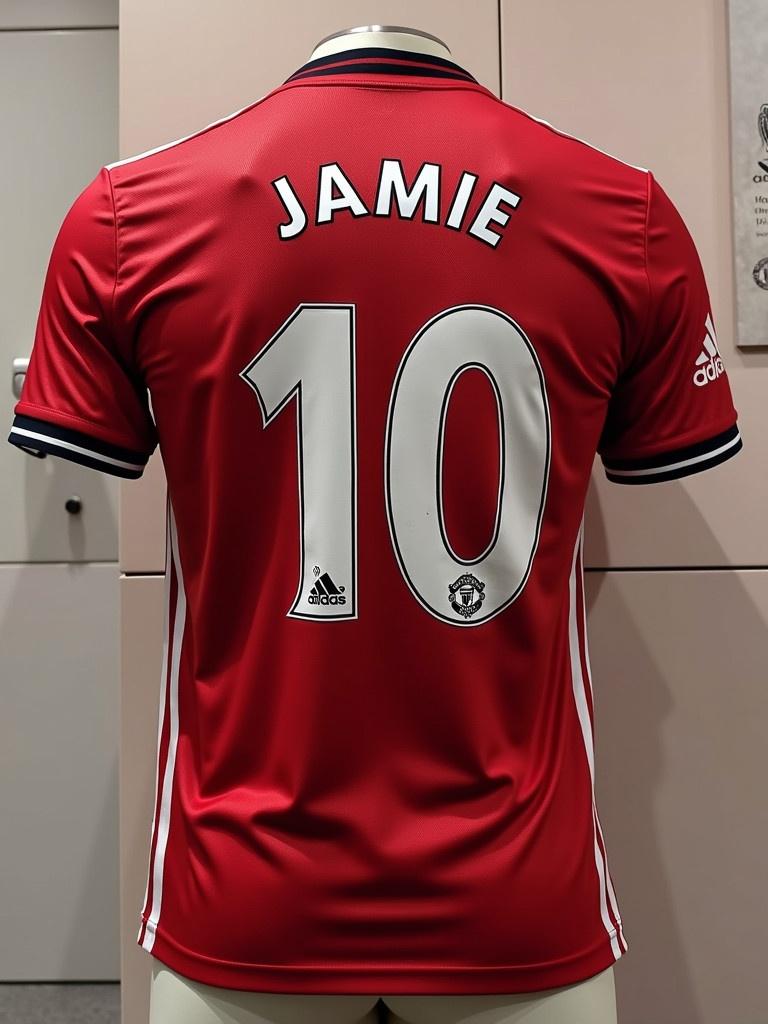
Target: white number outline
x,y
296,390
387,444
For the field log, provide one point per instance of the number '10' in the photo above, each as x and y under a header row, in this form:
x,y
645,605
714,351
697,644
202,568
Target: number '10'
x,y
312,357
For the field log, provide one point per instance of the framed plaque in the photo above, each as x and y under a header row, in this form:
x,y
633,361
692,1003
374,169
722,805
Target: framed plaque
x,y
748,39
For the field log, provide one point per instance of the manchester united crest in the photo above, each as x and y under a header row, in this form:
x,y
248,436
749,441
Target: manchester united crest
x,y
466,594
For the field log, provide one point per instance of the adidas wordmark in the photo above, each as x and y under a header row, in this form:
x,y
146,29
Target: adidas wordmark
x,y
709,363
325,591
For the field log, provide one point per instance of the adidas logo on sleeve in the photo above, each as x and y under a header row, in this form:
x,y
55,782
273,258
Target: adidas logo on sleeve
x,y
709,364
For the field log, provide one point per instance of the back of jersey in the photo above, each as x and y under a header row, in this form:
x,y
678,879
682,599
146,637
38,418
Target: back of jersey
x,y
386,321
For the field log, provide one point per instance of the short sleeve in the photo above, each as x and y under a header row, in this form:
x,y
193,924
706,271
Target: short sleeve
x,y
671,412
83,399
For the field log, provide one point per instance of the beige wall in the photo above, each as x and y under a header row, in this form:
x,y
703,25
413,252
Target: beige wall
x,y
678,582
59,692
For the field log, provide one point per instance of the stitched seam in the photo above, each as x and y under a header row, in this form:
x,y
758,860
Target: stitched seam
x,y
647,324
221,122
80,419
368,84
670,444
553,129
117,260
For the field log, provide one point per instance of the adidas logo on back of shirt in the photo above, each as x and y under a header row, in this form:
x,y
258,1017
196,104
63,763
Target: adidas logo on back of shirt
x,y
709,363
325,591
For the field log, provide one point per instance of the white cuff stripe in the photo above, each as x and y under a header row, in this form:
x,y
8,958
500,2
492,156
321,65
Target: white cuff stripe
x,y
677,465
76,448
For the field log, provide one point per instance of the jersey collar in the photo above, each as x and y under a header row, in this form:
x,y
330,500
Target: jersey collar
x,y
381,63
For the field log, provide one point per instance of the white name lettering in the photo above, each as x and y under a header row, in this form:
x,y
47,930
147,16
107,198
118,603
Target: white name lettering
x,y
396,197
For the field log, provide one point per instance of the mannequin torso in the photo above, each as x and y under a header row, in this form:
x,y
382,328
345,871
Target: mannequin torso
x,y
179,1000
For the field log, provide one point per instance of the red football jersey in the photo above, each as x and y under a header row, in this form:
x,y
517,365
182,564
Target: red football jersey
x,y
379,323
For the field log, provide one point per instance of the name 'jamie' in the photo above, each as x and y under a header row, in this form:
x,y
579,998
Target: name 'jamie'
x,y
424,192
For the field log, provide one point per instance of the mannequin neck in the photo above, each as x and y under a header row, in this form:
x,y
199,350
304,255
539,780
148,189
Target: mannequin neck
x,y
375,35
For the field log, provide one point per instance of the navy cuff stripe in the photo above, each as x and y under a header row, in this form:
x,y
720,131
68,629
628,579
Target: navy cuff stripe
x,y
35,436
721,447
691,451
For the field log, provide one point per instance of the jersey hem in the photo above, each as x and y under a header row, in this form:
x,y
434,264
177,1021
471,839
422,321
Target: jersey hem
x,y
411,979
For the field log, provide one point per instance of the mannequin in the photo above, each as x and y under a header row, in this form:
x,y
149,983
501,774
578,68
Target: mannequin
x,y
176,999
179,1000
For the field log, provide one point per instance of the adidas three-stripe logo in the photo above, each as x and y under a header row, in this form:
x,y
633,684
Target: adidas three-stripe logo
x,y
709,364
325,591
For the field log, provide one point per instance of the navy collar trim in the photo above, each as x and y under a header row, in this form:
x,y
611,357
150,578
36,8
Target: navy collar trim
x,y
381,60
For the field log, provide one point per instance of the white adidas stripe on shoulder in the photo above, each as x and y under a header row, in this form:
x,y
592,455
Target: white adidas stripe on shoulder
x,y
253,103
711,333
175,142
570,135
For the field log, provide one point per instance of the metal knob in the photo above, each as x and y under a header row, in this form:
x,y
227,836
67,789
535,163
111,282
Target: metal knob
x,y
18,373
74,504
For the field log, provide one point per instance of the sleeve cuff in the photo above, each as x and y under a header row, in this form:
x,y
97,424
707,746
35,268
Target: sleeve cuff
x,y
35,436
677,462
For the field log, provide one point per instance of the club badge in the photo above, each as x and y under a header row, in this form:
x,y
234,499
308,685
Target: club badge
x,y
466,594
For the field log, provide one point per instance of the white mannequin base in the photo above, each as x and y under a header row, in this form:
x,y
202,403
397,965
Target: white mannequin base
x,y
176,999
